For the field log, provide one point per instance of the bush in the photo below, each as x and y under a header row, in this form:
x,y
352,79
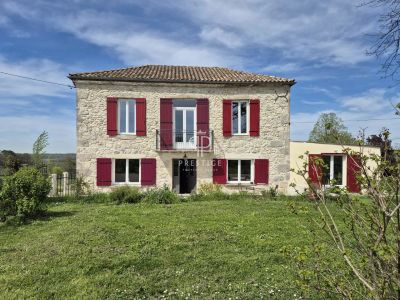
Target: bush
x,y
160,196
126,194
24,193
271,193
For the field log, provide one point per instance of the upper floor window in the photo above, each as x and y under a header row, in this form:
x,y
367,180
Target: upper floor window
x,y
126,116
126,171
240,117
333,170
240,171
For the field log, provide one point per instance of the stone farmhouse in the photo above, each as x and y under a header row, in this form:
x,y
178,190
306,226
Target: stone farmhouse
x,y
183,126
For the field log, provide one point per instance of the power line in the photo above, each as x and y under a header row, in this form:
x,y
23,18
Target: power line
x,y
44,81
352,120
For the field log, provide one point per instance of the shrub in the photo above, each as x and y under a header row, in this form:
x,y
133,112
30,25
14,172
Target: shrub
x,y
209,188
57,170
271,193
80,187
160,196
24,193
126,194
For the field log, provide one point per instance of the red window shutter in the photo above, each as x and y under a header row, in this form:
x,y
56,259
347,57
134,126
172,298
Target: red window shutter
x,y
141,117
103,171
219,171
254,117
112,116
261,171
148,171
227,117
202,108
353,169
166,124
314,171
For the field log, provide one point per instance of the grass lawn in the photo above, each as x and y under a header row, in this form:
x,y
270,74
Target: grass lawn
x,y
216,249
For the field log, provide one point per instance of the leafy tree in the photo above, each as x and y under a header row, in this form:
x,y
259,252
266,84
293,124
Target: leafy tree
x,y
39,147
10,162
330,129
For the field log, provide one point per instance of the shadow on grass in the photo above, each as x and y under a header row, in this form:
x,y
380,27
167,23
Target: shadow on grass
x,y
15,221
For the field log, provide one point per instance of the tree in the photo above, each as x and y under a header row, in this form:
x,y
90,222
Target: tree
x,y
330,129
10,162
387,43
39,147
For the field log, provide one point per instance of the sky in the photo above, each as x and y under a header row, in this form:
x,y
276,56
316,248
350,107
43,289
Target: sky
x,y
322,44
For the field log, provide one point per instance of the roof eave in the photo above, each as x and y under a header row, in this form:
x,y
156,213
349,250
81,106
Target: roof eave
x,y
86,78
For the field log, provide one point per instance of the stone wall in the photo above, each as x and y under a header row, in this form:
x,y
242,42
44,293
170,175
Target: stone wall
x,y
93,141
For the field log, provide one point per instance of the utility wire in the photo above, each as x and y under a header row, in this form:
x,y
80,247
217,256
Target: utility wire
x,y
351,120
44,81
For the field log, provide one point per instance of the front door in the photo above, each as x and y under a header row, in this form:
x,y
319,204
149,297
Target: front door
x,y
184,128
184,175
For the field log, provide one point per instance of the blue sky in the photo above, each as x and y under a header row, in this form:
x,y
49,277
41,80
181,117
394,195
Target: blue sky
x,y
322,44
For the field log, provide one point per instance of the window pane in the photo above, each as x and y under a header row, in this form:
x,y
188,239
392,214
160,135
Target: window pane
x,y
326,170
178,126
338,169
132,116
133,170
122,116
232,170
190,126
243,117
235,117
245,170
120,170
184,103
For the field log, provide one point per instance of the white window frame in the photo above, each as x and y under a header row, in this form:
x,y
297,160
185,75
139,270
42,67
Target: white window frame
x,y
331,170
240,117
126,182
251,181
126,116
184,144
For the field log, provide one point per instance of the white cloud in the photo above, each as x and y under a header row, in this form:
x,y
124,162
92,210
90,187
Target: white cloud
x,y
282,68
26,128
41,69
228,39
371,107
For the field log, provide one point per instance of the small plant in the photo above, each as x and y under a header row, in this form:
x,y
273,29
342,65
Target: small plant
x,y
160,196
126,194
209,188
24,194
80,187
271,193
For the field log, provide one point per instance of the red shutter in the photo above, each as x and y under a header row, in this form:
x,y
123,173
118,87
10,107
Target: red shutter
x,y
103,171
261,171
148,171
166,124
254,117
141,117
314,171
227,117
202,117
353,169
112,116
219,171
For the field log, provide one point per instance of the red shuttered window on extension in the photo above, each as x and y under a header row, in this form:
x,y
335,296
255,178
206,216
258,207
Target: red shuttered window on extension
x,y
353,169
314,170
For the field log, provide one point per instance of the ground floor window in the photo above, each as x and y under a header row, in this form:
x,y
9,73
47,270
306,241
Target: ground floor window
x,y
126,170
333,170
240,171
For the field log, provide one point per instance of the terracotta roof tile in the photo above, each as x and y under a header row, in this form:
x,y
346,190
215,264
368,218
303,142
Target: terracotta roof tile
x,y
184,74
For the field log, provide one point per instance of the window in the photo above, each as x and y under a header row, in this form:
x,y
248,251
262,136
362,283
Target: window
x,y
240,117
333,170
126,171
126,116
240,171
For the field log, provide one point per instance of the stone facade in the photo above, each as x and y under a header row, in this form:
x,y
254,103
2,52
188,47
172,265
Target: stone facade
x,y
93,141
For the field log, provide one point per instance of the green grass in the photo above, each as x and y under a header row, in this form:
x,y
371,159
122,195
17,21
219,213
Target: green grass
x,y
214,249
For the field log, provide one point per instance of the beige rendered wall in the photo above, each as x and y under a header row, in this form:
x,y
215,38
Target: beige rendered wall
x,y
93,141
300,148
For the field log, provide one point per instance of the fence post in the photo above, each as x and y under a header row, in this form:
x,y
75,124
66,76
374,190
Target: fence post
x,y
65,183
54,184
